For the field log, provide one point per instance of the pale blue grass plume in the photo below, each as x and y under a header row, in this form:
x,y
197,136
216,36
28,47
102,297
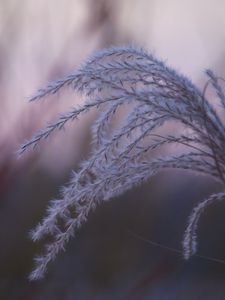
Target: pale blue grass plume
x,y
153,95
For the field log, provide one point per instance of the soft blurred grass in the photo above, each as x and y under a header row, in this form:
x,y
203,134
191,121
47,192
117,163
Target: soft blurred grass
x,y
43,40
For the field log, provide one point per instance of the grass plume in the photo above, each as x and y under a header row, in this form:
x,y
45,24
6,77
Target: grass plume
x,y
154,95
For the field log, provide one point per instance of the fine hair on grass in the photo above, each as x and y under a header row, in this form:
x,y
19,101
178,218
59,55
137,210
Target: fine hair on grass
x,y
153,96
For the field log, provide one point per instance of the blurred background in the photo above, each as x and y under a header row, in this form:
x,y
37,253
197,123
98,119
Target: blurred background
x,y
44,40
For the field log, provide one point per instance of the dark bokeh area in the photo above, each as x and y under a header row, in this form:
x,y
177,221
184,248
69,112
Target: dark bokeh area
x,y
129,248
